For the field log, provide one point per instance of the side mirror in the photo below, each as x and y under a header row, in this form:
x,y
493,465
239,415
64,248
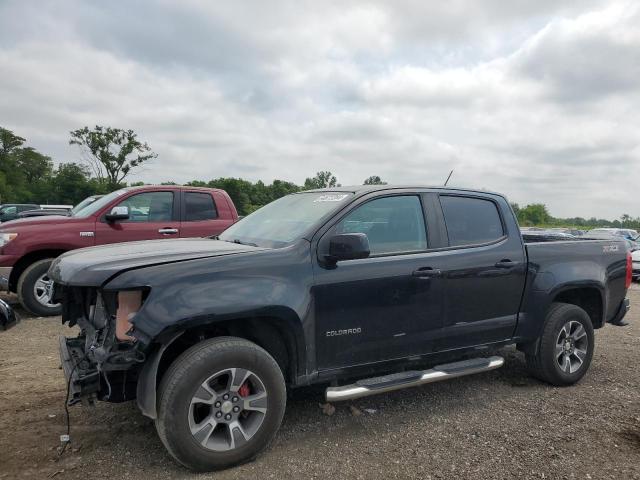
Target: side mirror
x,y
348,246
117,213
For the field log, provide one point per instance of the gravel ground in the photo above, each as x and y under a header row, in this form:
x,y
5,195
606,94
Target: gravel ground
x,y
499,424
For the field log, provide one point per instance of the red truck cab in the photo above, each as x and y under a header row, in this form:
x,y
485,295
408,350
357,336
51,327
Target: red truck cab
x,y
28,246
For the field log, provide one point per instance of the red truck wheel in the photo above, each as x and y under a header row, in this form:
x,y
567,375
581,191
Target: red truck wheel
x,y
34,290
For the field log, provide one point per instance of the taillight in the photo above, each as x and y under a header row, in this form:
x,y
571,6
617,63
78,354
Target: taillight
x,y
627,280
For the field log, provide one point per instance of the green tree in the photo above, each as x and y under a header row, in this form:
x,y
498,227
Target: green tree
x,y
374,180
324,179
111,152
625,218
280,188
534,214
34,165
238,189
13,184
9,142
71,184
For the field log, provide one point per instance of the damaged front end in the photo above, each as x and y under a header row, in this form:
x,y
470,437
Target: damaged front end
x,y
103,362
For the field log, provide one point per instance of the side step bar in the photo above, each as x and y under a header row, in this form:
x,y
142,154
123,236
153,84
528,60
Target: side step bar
x,y
397,381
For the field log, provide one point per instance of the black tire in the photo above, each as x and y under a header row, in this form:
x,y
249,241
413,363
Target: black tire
x,y
184,379
25,290
545,364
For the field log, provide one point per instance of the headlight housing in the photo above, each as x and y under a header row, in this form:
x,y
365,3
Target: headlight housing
x,y
6,238
129,303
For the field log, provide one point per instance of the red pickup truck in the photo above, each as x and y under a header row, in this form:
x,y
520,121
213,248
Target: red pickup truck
x,y
28,246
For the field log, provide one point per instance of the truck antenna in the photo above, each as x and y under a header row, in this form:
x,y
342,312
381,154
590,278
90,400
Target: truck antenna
x,y
447,180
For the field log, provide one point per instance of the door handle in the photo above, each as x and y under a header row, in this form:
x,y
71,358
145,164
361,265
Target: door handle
x,y
505,263
427,272
168,231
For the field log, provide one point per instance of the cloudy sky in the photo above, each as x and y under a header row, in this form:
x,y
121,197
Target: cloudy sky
x,y
536,99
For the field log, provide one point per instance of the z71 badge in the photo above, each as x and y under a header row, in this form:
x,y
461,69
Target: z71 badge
x,y
610,248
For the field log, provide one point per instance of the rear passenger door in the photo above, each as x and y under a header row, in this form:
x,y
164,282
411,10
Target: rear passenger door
x,y
200,215
484,270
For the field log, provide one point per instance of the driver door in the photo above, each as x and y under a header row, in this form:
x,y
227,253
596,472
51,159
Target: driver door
x,y
378,308
152,216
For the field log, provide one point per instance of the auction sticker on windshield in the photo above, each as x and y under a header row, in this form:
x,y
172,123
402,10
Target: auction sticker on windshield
x,y
331,198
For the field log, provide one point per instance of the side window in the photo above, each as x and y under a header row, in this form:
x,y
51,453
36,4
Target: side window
x,y
199,206
9,210
471,220
392,224
149,207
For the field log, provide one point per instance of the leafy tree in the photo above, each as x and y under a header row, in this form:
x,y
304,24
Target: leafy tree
x,y
374,180
534,214
13,184
324,179
111,152
625,218
280,188
34,165
239,191
71,184
9,142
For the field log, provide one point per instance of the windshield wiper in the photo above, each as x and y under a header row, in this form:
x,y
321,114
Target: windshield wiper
x,y
235,240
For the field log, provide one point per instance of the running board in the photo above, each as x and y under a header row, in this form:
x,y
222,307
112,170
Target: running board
x,y
396,381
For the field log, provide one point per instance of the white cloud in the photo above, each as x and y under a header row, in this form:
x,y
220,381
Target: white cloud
x,y
535,99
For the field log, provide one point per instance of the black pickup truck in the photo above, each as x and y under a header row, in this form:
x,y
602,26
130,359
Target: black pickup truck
x,y
366,289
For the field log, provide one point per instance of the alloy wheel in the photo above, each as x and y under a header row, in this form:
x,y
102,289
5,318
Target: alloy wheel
x,y
228,409
43,290
572,346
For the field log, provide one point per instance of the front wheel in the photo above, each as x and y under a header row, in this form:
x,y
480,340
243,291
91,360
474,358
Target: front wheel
x,y
220,404
566,346
35,289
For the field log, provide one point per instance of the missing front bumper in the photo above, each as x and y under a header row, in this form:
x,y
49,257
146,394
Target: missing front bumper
x,y
82,377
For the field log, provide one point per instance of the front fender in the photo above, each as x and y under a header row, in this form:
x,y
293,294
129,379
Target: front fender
x,y
146,391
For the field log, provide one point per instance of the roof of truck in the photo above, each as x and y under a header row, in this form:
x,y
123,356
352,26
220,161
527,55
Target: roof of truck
x,y
374,188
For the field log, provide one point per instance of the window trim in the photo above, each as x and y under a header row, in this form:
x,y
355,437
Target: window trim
x,y
498,240
120,200
324,231
183,206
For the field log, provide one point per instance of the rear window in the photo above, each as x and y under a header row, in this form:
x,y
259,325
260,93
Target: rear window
x,y
471,220
199,206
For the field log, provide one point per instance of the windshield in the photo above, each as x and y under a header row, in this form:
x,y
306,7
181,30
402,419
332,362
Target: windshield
x,y
92,208
84,203
285,220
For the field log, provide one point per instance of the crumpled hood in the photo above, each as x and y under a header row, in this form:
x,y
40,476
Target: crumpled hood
x,y
93,266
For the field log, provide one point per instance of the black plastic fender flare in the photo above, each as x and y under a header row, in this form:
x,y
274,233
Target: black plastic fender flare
x,y
146,390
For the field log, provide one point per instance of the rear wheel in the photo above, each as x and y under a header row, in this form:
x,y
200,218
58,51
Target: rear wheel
x,y
35,289
566,346
220,404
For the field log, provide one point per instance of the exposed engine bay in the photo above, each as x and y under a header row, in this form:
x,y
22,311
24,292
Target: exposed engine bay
x,y
102,361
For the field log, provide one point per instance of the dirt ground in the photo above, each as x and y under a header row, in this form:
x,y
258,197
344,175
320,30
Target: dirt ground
x,y
501,424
